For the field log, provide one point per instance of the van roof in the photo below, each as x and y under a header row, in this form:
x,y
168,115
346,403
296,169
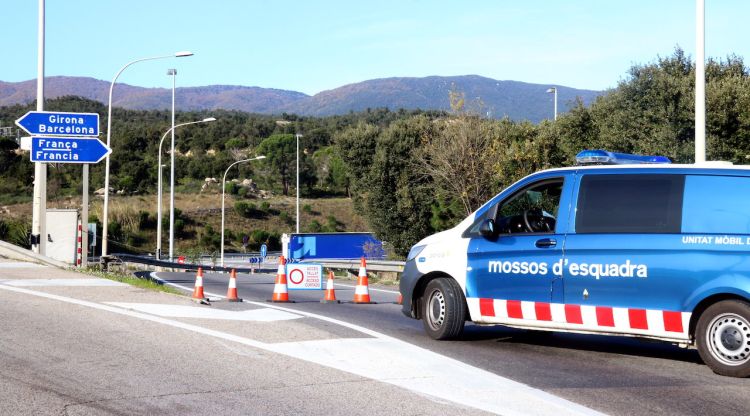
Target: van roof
x,y
718,166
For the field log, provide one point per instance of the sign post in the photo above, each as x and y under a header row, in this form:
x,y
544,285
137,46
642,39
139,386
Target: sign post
x,y
79,146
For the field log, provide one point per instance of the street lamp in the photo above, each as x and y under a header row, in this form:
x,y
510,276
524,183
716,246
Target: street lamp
x,y
223,192
159,186
554,90
105,208
297,136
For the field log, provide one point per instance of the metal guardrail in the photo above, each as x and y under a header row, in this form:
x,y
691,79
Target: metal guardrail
x,y
337,264
372,265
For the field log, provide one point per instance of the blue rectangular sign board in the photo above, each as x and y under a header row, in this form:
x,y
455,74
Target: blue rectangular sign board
x,y
49,123
68,150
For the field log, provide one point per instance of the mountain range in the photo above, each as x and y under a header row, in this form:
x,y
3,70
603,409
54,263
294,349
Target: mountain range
x,y
514,99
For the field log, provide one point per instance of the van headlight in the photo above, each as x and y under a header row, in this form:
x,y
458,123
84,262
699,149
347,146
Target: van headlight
x,y
414,252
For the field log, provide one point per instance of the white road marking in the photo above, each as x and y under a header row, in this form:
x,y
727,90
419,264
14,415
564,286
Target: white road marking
x,y
182,311
399,363
61,282
19,265
372,289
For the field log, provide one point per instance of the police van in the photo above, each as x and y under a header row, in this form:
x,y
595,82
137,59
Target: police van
x,y
620,245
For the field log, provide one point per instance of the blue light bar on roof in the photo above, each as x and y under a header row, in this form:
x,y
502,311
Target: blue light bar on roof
x,y
603,157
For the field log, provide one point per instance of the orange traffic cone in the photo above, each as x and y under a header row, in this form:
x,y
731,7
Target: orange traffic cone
x,y
280,292
232,290
198,295
400,299
330,292
362,290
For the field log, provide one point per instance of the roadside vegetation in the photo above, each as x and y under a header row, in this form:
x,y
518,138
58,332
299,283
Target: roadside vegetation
x,y
130,279
405,174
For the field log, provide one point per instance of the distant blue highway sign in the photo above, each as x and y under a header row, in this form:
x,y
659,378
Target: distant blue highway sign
x,y
263,250
50,123
68,150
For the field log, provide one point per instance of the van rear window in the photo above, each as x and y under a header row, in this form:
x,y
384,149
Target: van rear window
x,y
630,204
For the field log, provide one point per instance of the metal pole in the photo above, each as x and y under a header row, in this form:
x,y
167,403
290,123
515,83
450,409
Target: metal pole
x,y
700,81
158,209
555,103
297,216
105,208
223,192
85,216
160,187
39,211
172,72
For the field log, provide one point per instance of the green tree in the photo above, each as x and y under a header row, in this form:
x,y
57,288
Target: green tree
x,y
280,151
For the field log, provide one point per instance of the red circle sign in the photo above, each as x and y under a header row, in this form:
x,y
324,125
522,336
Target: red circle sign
x,y
301,276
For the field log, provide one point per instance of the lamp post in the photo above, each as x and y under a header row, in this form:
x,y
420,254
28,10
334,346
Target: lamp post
x,y
700,81
159,186
105,208
173,73
554,90
223,192
297,136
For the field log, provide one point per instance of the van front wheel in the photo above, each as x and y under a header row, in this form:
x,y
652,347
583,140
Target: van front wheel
x,y
723,338
444,309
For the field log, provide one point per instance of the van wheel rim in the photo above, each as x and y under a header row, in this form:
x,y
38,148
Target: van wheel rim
x,y
436,309
729,339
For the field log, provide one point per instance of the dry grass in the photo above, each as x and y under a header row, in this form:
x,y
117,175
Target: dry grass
x,y
205,209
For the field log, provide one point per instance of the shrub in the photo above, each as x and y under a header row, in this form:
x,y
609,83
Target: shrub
x,y
314,227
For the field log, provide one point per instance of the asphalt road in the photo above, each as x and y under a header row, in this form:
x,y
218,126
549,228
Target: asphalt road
x,y
614,375
71,344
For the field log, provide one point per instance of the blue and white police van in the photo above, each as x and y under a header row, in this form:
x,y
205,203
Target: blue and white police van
x,y
621,245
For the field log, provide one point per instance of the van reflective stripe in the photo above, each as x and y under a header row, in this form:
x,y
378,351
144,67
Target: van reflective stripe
x,y
604,316
672,321
638,318
657,323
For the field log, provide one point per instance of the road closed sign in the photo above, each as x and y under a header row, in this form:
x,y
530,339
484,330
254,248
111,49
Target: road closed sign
x,y
304,276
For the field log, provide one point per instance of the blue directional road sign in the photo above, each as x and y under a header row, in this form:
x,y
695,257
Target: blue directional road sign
x,y
50,123
68,150
263,250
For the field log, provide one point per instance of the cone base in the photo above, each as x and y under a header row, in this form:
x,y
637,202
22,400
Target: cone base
x,y
364,303
202,301
279,301
235,300
330,301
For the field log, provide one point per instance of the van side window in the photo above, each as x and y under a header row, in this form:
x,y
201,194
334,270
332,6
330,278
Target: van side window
x,y
716,204
630,204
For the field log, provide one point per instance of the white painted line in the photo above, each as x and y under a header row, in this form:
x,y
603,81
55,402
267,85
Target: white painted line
x,y
372,289
20,265
396,362
182,311
62,283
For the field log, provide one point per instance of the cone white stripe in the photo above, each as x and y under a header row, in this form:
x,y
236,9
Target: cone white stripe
x,y
233,283
362,272
361,290
279,288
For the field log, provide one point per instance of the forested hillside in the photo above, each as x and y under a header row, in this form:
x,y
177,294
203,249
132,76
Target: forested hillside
x,y
413,173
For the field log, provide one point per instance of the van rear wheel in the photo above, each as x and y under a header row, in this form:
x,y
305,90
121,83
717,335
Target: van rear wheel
x,y
444,309
723,338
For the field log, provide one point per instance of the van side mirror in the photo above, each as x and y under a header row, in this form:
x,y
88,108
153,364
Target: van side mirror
x,y
487,229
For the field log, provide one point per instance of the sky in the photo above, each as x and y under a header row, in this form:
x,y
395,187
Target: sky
x,y
312,46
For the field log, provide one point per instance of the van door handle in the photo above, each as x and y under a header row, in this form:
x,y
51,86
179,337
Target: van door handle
x,y
546,242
